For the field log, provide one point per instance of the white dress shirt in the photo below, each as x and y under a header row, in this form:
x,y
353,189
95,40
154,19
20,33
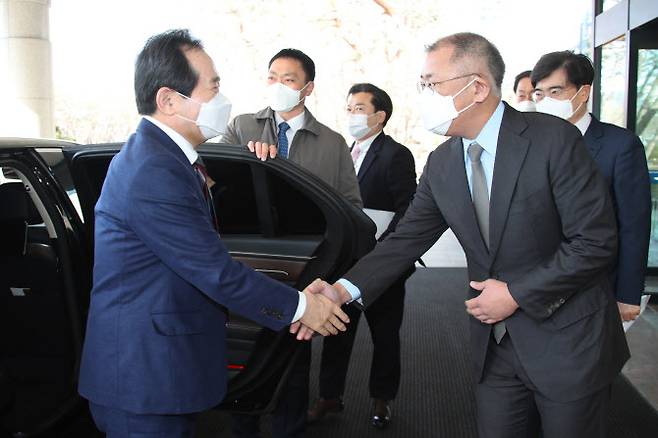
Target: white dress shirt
x,y
192,155
295,124
584,123
364,146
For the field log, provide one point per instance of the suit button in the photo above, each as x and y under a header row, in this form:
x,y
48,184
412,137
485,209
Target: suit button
x,y
562,301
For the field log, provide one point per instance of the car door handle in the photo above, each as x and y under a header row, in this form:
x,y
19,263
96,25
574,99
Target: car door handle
x,y
272,271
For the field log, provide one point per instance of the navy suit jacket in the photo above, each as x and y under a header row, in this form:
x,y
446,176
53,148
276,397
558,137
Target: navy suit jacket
x,y
620,157
155,341
387,178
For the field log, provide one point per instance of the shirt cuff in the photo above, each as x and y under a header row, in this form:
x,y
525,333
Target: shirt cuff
x,y
351,289
301,308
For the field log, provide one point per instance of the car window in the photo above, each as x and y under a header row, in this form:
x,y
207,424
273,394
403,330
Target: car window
x,y
234,193
295,212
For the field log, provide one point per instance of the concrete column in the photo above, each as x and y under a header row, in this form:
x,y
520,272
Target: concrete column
x,y
26,100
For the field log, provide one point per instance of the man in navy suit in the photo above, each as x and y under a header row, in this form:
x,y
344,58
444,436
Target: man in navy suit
x,y
563,82
387,180
154,352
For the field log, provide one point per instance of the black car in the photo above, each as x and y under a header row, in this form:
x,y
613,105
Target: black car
x,y
273,216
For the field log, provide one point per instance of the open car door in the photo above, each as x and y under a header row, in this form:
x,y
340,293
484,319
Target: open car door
x,y
273,216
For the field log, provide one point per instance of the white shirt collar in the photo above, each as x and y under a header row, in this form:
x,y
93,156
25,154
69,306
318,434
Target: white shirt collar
x,y
295,123
182,143
584,123
488,136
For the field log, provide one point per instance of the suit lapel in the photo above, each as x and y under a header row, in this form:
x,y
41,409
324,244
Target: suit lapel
x,y
456,184
371,155
510,155
593,136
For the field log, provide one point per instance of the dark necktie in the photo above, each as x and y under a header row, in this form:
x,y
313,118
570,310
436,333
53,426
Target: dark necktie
x,y
481,204
283,140
202,174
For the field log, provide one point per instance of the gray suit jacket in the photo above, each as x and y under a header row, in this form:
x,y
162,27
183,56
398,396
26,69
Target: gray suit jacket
x,y
315,147
553,240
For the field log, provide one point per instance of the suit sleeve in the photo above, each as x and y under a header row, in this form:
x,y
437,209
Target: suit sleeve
x,y
417,231
632,192
401,183
348,184
589,232
231,136
170,218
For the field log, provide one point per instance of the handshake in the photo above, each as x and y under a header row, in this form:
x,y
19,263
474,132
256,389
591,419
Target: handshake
x,y
323,314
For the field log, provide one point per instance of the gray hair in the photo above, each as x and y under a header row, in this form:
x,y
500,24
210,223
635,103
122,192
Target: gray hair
x,y
476,48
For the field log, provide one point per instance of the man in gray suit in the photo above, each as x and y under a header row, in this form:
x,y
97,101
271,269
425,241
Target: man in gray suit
x,y
288,129
535,219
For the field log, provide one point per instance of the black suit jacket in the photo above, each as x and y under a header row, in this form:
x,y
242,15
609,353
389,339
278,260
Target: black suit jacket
x,y
387,178
553,240
620,156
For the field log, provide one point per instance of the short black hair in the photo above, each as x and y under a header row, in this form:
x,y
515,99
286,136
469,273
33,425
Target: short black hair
x,y
307,63
378,97
522,75
162,63
467,44
578,67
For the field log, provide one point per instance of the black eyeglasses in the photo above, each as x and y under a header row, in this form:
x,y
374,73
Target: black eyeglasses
x,y
433,86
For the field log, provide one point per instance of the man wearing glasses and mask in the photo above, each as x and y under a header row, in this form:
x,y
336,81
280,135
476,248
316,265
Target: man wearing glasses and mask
x,y
563,83
535,219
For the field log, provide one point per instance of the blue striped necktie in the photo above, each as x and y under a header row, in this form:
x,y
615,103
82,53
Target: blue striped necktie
x,y
283,140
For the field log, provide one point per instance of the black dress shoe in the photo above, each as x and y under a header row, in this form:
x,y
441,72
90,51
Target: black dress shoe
x,y
382,414
323,407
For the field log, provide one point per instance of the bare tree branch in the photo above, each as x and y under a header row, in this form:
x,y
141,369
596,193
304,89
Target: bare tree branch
x,y
388,10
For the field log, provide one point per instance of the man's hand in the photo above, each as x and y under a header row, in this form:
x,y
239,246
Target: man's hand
x,y
494,304
335,293
628,312
322,314
262,149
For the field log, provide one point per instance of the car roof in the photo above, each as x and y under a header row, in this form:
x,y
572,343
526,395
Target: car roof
x,y
20,142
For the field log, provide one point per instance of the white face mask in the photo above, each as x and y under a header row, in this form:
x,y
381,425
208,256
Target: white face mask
x,y
559,108
526,106
358,125
213,115
439,111
282,99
